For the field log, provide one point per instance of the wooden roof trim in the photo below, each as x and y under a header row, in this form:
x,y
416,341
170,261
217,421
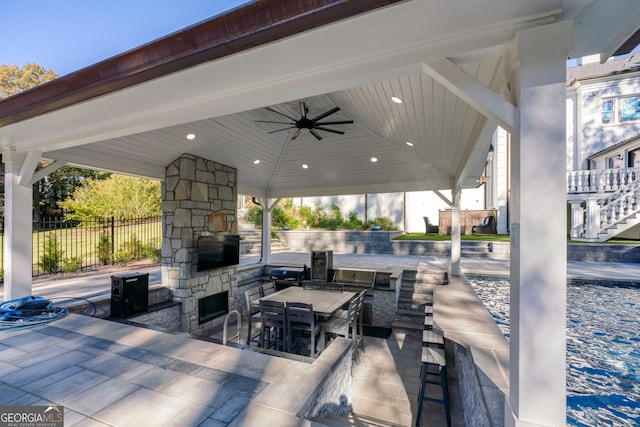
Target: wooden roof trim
x,y
246,27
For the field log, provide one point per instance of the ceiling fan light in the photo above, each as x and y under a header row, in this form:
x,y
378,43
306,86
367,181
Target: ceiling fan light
x,y
396,100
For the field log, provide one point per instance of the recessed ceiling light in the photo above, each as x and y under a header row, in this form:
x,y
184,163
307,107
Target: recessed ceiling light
x,y
409,143
256,162
191,136
374,159
396,100
305,166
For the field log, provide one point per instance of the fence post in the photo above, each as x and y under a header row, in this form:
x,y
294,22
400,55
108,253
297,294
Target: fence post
x,y
113,240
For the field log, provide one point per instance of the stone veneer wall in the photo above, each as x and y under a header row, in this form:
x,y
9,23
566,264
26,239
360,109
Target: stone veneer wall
x,y
198,198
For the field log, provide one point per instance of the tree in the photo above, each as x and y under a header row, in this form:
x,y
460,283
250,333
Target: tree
x,y
120,196
58,186
14,80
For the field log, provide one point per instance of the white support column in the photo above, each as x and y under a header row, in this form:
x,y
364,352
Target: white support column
x,y
17,225
456,192
537,395
265,250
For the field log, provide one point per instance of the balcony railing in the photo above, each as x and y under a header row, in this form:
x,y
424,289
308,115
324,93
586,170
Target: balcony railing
x,y
600,180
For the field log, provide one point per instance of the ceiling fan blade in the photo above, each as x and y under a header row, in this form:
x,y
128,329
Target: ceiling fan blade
x,y
282,114
280,130
303,110
280,123
296,134
329,130
325,114
339,122
316,134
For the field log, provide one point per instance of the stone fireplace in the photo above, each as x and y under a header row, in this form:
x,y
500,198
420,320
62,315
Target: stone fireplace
x,y
199,197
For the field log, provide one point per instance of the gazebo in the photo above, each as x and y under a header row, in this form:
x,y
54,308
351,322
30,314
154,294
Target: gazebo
x,y
371,96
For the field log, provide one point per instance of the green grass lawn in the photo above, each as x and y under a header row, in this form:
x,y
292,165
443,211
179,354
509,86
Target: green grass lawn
x,y
444,237
494,238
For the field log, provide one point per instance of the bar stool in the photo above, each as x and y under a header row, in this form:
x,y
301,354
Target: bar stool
x,y
430,338
434,357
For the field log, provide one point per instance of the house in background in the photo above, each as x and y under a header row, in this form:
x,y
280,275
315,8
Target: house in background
x,y
603,148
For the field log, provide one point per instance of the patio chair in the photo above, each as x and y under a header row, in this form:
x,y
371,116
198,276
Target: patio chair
x,y
273,332
302,320
428,227
485,227
358,328
345,326
311,284
253,313
268,288
360,321
333,286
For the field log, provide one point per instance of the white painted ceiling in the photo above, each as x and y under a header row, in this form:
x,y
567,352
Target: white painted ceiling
x,y
356,65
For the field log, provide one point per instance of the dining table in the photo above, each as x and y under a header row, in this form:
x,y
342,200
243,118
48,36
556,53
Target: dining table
x,y
325,303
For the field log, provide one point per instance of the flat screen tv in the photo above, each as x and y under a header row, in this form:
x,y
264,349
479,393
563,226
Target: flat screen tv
x,y
218,251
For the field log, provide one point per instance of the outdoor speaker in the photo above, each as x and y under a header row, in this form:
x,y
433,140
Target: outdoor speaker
x,y
129,294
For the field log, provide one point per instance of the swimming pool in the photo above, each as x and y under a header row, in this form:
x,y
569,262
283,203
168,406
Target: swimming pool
x,y
603,349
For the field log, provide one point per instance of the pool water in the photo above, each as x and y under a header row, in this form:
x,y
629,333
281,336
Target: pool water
x,y
603,349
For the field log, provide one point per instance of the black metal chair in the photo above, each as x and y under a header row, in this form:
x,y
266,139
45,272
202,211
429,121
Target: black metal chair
x,y
253,313
301,320
273,332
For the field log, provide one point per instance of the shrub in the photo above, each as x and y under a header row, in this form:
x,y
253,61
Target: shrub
x,y
134,249
52,256
71,265
384,223
130,250
354,223
104,248
254,215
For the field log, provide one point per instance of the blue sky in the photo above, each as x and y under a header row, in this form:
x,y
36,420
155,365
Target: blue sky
x,y
68,35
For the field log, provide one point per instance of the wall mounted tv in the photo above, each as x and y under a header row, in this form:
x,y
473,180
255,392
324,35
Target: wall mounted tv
x,y
218,251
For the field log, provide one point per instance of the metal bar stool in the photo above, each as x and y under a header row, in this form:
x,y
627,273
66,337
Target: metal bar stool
x,y
434,357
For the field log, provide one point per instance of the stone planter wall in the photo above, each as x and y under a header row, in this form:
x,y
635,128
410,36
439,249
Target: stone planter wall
x,y
198,198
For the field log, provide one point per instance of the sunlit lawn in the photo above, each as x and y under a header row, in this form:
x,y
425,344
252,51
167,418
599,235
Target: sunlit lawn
x,y
83,242
444,237
493,238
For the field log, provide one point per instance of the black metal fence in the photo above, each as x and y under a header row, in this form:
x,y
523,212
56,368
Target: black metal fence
x,y
61,246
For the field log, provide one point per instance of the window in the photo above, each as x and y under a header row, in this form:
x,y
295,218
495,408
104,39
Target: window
x,y
634,158
630,108
620,110
615,162
607,111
